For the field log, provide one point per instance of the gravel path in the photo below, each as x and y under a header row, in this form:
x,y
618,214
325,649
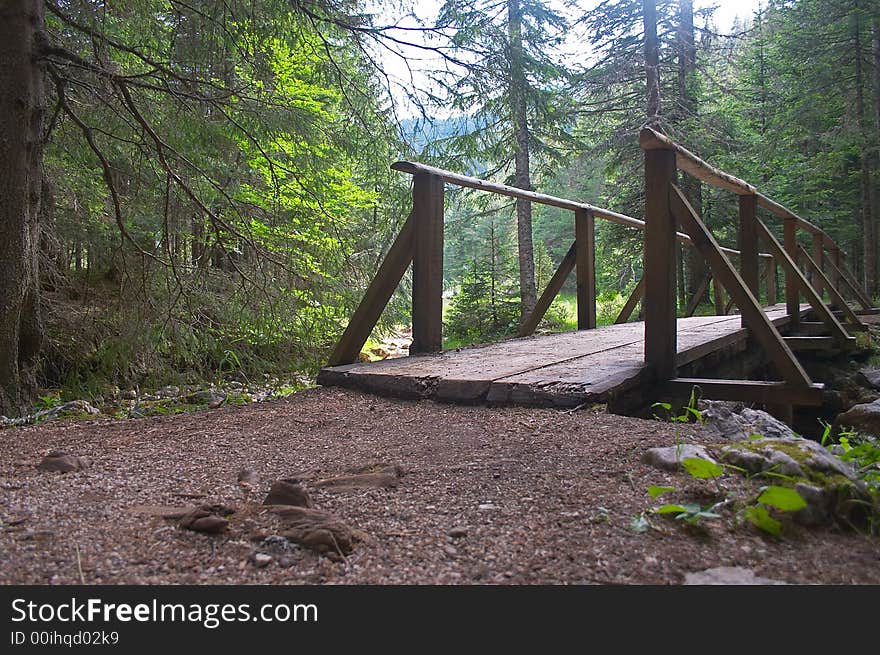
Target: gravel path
x,y
531,496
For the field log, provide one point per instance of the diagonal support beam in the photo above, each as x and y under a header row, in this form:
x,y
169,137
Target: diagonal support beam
x,y
631,303
398,259
843,274
833,293
530,324
695,300
762,328
794,274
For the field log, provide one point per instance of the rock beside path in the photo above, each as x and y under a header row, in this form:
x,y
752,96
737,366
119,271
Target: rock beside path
x,y
864,418
321,531
728,575
62,462
670,457
288,492
382,476
207,518
735,422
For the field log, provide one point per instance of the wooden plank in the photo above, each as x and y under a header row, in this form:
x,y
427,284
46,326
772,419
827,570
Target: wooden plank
x,y
605,375
631,302
585,242
427,299
748,243
794,274
748,391
812,343
553,287
763,329
812,329
377,296
695,300
834,294
660,306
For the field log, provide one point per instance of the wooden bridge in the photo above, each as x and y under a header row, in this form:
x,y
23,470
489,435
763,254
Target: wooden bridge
x,y
598,364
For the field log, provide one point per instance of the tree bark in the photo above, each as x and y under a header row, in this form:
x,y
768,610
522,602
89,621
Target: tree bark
x,y
522,175
695,265
21,164
652,61
869,249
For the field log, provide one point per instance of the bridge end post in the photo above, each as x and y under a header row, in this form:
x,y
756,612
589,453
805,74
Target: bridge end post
x,y
792,302
427,294
659,301
585,245
748,244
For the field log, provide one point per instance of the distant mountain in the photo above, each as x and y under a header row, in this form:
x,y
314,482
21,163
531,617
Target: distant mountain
x,y
419,132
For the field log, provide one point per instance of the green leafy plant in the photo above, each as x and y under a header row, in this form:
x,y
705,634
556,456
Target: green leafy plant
x,y
701,469
688,413
782,499
691,513
655,491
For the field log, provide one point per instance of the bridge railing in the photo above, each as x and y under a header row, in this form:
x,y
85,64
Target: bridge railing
x,y
420,242
667,209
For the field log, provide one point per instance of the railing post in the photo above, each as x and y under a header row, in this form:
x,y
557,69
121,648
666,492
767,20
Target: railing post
x,y
748,244
585,244
718,297
792,303
659,302
819,259
772,276
835,269
427,295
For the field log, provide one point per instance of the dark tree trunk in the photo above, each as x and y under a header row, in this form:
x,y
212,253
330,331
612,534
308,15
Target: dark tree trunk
x,y
695,265
652,61
522,175
21,164
869,250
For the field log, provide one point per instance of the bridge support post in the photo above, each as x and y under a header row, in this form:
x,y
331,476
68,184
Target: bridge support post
x,y
427,295
792,303
748,244
772,276
819,260
659,301
835,269
585,244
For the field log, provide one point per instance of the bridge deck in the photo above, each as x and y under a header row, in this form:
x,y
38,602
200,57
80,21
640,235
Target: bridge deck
x,y
564,370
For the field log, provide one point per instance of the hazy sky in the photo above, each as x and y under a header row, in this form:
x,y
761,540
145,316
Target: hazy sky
x,y
398,70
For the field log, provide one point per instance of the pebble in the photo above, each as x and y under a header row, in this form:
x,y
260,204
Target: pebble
x,y
487,507
450,551
262,560
458,532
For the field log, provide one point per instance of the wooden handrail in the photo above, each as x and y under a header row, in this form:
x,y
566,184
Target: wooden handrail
x,y
414,168
685,160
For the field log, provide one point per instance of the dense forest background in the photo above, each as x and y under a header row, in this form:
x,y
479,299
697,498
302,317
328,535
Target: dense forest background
x,y
210,191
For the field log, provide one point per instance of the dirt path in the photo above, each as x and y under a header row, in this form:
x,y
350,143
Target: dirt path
x,y
534,496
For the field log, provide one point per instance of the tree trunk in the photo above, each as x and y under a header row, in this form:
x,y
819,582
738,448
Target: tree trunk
x,y
695,265
869,250
522,176
21,160
652,61
874,184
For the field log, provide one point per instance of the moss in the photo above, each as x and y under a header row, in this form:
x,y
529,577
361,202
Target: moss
x,y
818,478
